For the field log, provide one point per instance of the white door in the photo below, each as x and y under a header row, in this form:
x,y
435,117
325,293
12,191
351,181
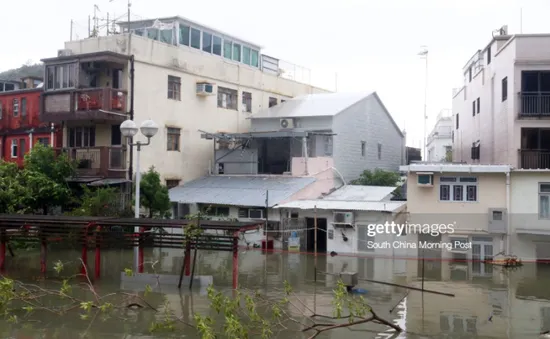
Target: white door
x,y
482,249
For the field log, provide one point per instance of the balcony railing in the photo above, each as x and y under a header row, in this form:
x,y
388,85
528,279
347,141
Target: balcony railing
x,y
84,104
105,161
534,159
106,99
534,104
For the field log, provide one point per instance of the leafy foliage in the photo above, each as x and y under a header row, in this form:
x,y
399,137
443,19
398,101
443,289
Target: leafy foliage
x,y
44,160
12,193
377,178
101,202
153,194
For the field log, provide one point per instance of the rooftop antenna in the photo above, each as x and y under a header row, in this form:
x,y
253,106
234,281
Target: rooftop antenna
x,y
129,7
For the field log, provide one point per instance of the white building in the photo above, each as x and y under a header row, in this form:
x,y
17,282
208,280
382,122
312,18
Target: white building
x,y
501,113
188,77
342,219
440,142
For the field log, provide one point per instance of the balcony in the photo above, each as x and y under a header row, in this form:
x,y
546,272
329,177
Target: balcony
x,y
105,161
534,105
534,159
84,104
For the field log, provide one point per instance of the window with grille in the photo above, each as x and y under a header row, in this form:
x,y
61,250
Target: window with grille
x,y
174,87
173,138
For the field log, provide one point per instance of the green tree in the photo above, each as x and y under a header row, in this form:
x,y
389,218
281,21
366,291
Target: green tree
x,y
377,178
99,202
154,195
12,193
44,176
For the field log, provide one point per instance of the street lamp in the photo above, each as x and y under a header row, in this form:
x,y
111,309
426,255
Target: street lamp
x,y
129,129
424,54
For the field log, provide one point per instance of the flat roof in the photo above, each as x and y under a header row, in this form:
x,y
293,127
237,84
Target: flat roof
x,y
91,56
456,168
340,205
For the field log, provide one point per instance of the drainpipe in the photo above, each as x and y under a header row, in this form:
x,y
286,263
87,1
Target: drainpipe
x,y
52,129
305,151
132,76
508,212
30,139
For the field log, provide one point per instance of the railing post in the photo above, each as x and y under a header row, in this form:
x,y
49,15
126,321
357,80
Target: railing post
x,y
235,261
3,241
140,252
97,265
84,268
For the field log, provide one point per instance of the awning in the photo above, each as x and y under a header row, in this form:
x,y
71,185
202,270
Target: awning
x,y
107,182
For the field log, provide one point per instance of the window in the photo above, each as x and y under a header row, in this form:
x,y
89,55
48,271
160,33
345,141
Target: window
x,y
43,141
328,145
272,101
236,52
254,58
81,137
153,33
22,148
246,55
195,38
23,107
457,121
227,49
363,148
251,213
458,189
505,89
173,138
174,87
171,183
217,45
0,110
184,35
478,105
215,211
14,147
474,108
61,76
379,151
470,74
488,55
207,42
166,36
15,107
544,200
363,239
475,152
227,98
247,102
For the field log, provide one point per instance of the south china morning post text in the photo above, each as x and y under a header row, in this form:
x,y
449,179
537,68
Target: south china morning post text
x,y
406,228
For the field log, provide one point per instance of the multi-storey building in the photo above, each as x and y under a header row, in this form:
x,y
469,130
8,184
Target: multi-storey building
x,y
183,75
501,113
439,142
20,126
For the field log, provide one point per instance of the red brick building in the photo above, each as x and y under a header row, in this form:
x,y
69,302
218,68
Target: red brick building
x,y
20,125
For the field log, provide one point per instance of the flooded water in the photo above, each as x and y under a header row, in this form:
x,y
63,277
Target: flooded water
x,y
489,302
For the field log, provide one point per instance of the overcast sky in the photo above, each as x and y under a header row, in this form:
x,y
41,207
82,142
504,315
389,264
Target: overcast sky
x,y
370,45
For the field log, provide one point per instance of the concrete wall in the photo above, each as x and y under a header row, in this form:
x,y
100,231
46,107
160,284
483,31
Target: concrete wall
x,y
154,62
366,121
497,125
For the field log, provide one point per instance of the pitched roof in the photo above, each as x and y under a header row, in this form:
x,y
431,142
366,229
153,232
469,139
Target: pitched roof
x,y
313,105
239,190
361,193
339,205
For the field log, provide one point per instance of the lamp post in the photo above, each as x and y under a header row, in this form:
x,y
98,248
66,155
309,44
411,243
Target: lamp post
x,y
129,129
424,54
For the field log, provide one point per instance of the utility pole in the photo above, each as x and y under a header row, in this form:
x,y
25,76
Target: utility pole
x,y
424,54
71,39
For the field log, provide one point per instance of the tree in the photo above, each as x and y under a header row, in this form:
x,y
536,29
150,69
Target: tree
x,y
100,202
44,176
12,193
154,195
377,178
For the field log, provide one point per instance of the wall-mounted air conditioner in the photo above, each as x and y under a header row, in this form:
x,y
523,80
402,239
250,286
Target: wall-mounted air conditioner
x,y
205,89
343,219
425,179
287,123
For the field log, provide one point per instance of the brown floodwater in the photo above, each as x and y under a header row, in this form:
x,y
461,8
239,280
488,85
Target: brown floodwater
x,y
489,303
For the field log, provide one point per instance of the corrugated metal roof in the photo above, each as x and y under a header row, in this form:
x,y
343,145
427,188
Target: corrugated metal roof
x,y
312,105
339,205
239,190
361,193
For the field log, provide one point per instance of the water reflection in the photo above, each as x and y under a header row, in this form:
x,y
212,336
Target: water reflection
x,y
489,303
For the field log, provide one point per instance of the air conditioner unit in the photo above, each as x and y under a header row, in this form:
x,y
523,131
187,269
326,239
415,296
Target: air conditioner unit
x,y
205,89
343,218
64,52
425,179
286,123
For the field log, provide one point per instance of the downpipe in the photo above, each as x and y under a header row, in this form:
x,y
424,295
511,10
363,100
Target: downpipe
x,y
508,213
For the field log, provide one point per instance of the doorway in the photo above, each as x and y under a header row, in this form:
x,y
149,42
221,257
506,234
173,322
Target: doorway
x,y
321,235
